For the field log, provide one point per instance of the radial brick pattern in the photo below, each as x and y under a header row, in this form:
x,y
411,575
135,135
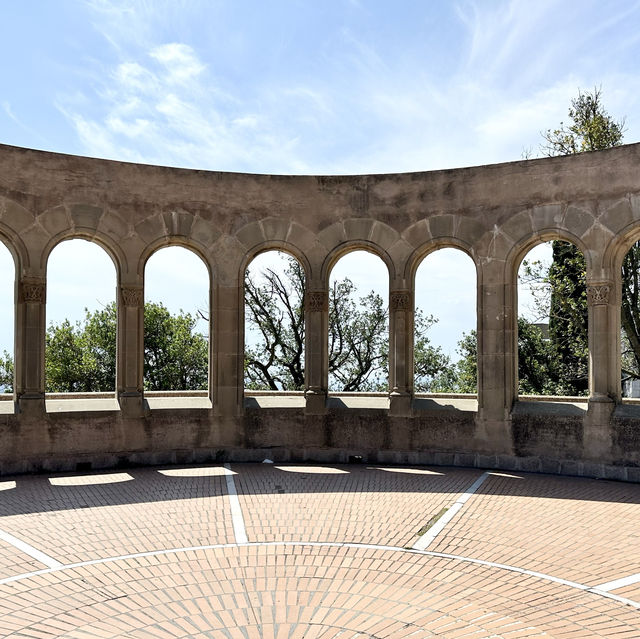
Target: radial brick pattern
x,y
151,554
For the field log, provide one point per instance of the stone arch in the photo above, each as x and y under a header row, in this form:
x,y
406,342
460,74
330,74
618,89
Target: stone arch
x,y
615,252
524,245
274,245
286,371
204,378
613,260
275,229
422,251
105,242
437,306
366,230
16,247
93,270
445,227
519,251
356,245
182,242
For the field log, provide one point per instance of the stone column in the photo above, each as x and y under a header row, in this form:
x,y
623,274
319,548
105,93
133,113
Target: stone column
x,y
400,352
130,360
496,362
316,348
30,346
228,324
603,369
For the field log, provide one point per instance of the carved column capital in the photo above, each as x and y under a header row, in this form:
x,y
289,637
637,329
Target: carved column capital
x,y
317,301
33,292
598,293
132,296
400,301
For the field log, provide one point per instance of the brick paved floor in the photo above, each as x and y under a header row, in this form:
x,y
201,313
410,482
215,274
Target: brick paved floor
x,y
151,553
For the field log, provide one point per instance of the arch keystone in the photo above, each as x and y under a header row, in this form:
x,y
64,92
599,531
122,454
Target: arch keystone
x,y
85,215
178,223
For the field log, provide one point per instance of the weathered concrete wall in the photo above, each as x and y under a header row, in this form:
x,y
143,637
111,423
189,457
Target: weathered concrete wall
x,y
493,213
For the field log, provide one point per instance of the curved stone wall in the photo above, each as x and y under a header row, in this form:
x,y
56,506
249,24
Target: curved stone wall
x,y
494,213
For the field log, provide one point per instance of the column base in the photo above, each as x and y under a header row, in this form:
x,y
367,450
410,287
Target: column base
x,y
494,435
596,439
315,401
400,404
132,404
31,405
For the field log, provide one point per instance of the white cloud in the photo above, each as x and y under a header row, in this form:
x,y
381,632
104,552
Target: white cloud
x,y
135,78
180,61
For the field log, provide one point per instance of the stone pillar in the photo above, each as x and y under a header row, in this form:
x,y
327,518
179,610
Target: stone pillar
x,y
316,348
130,360
603,369
497,321
228,324
400,352
30,346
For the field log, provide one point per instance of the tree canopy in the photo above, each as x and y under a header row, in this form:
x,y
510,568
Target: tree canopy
x,y
81,357
591,128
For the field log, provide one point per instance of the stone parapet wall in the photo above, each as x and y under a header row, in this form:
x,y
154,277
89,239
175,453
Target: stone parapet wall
x,y
446,437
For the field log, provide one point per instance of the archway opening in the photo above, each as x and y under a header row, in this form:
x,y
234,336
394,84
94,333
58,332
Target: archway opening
x,y
7,323
445,341
553,355
80,343
359,324
630,323
177,322
274,287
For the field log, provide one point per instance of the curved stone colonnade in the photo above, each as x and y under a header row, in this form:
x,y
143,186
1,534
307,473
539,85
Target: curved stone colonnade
x,y
494,213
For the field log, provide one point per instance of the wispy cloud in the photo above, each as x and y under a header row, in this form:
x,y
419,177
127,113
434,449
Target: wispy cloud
x,y
168,105
357,104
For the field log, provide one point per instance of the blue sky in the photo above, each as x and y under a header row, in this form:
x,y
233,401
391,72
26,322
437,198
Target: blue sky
x,y
340,86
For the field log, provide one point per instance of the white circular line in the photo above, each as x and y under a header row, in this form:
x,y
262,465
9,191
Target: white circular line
x,y
322,544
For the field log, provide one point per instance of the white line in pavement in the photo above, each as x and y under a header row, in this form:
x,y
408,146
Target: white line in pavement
x,y
436,529
239,529
321,544
620,583
48,561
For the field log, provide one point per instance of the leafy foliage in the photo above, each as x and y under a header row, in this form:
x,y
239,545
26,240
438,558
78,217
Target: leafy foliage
x,y
568,319
175,356
433,370
591,128
466,377
82,357
560,367
630,314
556,364
6,372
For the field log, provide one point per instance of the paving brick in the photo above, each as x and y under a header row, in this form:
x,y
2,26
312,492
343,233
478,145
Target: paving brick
x,y
311,584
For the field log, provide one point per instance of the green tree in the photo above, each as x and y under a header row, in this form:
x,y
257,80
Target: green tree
x,y
433,370
568,319
591,128
6,372
175,356
630,314
467,366
81,357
